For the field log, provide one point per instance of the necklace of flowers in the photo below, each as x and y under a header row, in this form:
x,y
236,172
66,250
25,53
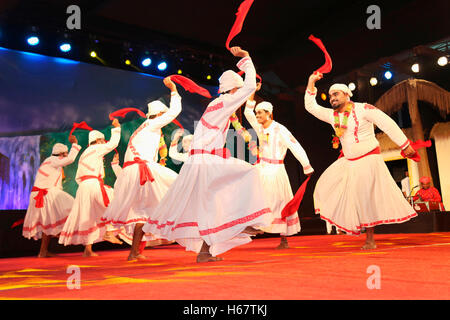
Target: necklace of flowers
x,y
338,127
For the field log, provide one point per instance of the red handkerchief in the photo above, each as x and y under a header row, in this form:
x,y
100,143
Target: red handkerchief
x,y
238,23
328,63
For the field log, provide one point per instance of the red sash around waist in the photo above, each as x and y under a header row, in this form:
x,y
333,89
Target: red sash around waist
x,y
102,187
224,153
144,172
374,151
40,196
272,161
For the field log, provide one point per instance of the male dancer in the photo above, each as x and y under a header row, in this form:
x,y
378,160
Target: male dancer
x,y
49,204
357,191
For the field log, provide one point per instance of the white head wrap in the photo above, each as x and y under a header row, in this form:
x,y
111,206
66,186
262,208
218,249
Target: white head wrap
x,y
94,135
59,148
341,87
267,106
156,107
230,80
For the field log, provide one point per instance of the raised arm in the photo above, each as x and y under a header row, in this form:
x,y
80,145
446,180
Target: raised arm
x,y
113,141
297,150
311,105
174,110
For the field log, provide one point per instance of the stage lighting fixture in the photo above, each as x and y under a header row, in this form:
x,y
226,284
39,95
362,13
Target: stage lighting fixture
x,y
65,47
208,77
415,68
388,75
93,54
351,86
146,62
373,81
127,62
162,66
33,41
442,61
323,96
180,71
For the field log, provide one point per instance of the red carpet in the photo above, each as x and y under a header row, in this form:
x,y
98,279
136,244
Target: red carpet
x,y
412,266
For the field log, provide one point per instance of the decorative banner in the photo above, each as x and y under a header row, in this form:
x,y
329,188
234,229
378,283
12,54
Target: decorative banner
x,y
417,145
328,63
124,111
292,206
238,23
190,85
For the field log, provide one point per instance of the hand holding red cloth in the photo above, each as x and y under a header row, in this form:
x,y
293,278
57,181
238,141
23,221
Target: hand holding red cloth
x,y
190,85
417,145
239,22
292,206
328,63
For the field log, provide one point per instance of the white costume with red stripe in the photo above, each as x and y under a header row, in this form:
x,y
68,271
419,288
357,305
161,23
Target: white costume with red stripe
x,y
57,204
273,173
213,199
84,225
133,202
357,190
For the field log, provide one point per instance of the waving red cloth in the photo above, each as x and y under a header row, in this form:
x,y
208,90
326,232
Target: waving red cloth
x,y
292,206
81,125
238,23
328,63
417,145
144,172
40,196
190,85
18,223
124,111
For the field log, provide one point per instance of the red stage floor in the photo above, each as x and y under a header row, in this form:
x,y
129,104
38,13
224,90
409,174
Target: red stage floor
x,y
411,266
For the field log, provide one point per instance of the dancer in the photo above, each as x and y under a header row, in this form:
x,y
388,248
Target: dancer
x,y
274,140
357,191
217,201
143,181
49,205
84,225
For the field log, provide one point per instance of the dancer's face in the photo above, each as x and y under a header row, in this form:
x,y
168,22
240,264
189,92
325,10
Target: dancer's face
x,y
262,116
338,98
425,185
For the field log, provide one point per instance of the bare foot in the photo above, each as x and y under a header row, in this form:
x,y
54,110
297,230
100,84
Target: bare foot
x,y
369,246
283,245
90,254
138,257
207,257
252,231
111,238
46,255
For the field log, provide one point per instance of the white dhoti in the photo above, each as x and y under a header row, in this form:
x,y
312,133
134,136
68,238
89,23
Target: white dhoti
x,y
51,217
359,194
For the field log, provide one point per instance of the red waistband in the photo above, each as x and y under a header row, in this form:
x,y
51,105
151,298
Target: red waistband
x,y
39,197
224,153
374,151
102,187
144,172
272,161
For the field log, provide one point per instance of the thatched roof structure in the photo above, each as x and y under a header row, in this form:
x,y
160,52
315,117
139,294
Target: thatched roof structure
x,y
427,91
386,144
440,129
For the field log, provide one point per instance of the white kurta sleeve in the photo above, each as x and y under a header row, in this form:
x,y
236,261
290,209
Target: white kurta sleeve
x,y
170,115
321,113
297,150
74,150
386,124
112,143
250,115
174,154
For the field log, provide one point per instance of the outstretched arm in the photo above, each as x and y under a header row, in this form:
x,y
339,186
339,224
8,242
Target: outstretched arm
x,y
297,150
321,113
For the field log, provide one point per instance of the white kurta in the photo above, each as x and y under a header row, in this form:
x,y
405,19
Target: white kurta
x,y
135,203
359,192
51,217
84,225
274,177
214,199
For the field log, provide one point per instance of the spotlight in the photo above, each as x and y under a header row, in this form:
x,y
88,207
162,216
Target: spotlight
x,y
180,71
323,96
388,75
33,41
162,66
93,54
442,61
415,68
65,47
208,77
351,86
146,62
127,62
373,81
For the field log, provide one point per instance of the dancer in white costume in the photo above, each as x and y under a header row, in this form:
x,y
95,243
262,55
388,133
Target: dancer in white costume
x,y
357,191
274,141
49,205
84,225
143,181
217,201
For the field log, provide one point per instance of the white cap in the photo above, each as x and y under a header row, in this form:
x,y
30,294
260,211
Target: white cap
x,y
230,80
341,87
267,106
156,107
94,135
59,148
